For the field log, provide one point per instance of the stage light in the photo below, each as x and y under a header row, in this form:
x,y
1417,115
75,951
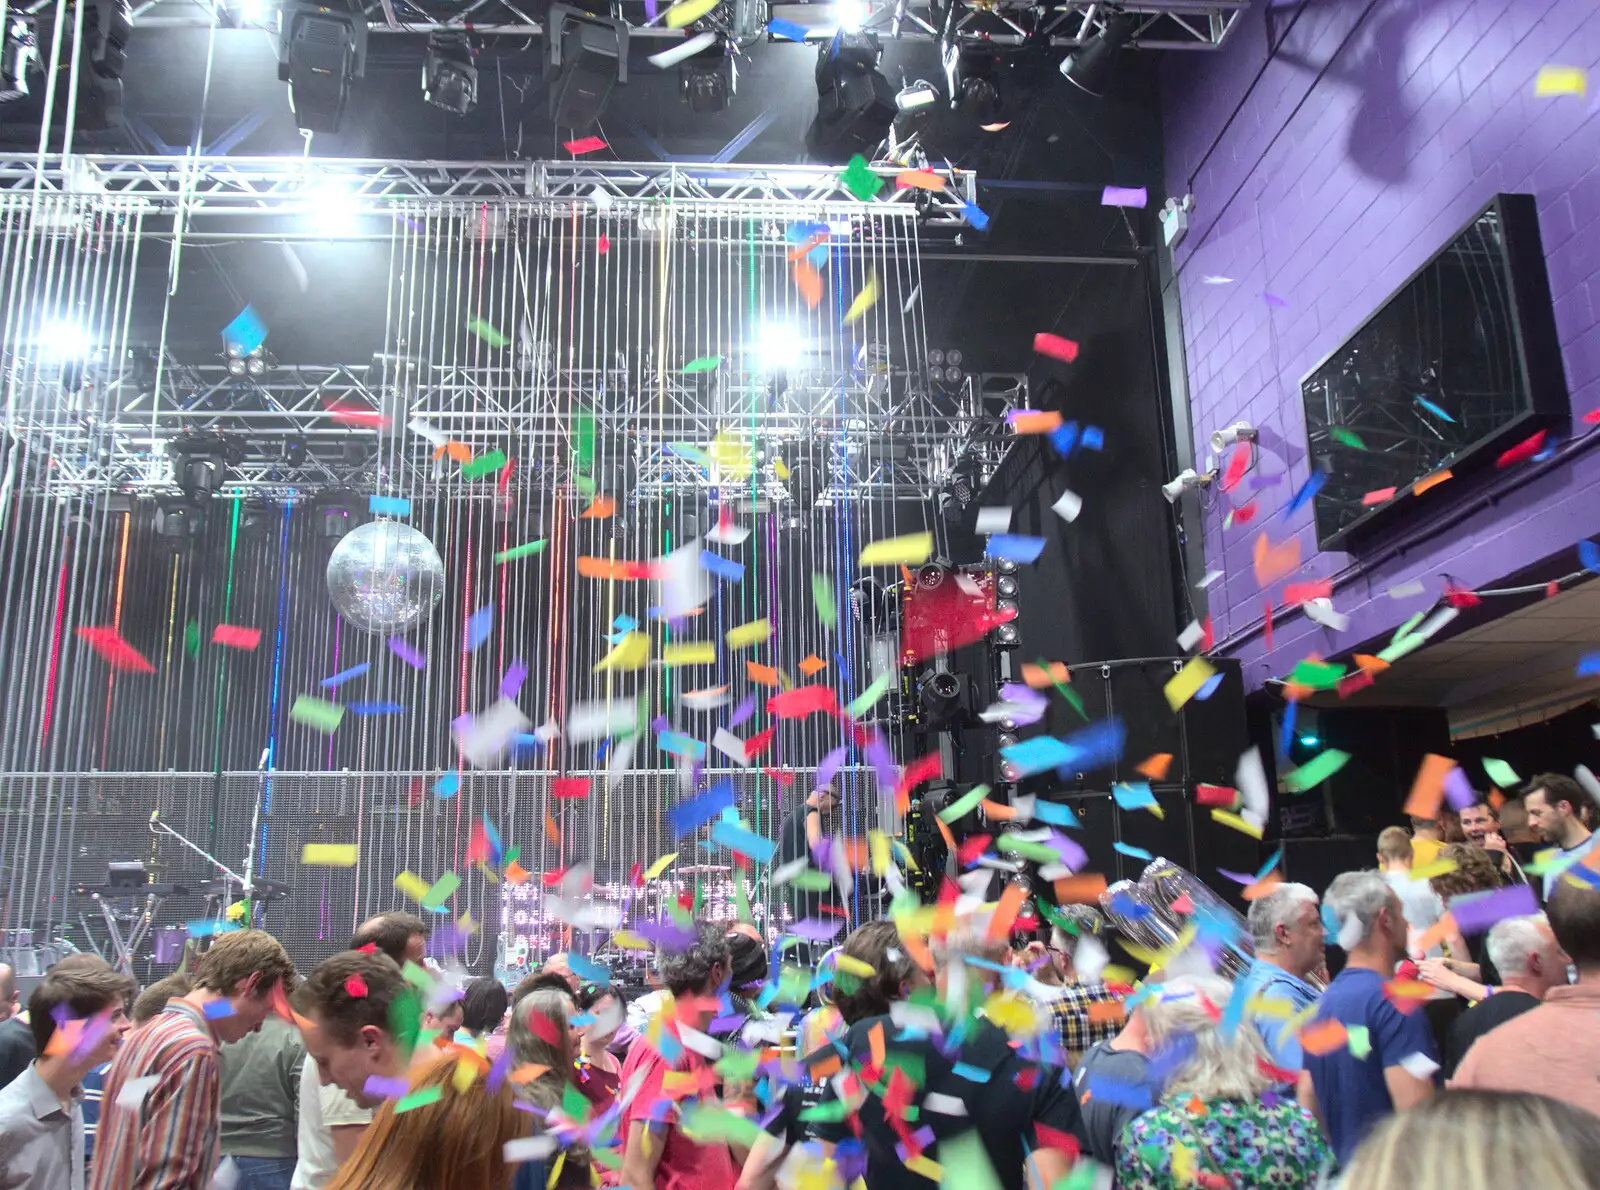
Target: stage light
x,y
241,363
1309,741
449,79
179,522
585,57
1090,67
322,49
1184,481
18,51
943,695
254,12
200,463
850,15
709,78
855,103
779,347
107,27
336,513
1005,566
1005,586
974,89
914,97
294,452
62,341
332,206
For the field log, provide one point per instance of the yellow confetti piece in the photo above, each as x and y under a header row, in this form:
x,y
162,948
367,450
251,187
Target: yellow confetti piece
x,y
732,457
1183,1164
1561,80
853,966
333,855
630,653
466,925
412,885
1187,682
660,866
745,635
628,940
1115,973
864,301
926,1166
878,848
699,652
463,1078
687,12
1228,818
780,469
911,550
1439,867
1277,1010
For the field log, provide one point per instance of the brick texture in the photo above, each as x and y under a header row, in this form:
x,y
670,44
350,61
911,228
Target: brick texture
x,y
1373,134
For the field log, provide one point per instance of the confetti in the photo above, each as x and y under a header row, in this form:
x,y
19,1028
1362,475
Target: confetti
x,y
1316,770
401,648
918,179
689,814
601,508
520,551
1272,562
483,465
1187,681
808,281
584,144
745,842
859,179
448,784
1474,913
134,1090
488,333
706,363
116,652
974,215
701,652
236,637
754,633
1034,421
685,49
1124,196
863,301
788,30
332,855
911,550
1013,547
315,713
1427,789
1068,506
344,675
1055,347
1553,81
421,1097
812,665
389,506
1522,451
480,625
246,332
994,519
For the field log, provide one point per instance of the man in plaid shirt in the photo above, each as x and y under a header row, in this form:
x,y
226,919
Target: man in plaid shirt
x,y
1085,1013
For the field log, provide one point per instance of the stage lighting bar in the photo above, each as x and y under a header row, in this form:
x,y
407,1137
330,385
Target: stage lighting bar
x,y
709,78
855,103
322,49
449,78
585,57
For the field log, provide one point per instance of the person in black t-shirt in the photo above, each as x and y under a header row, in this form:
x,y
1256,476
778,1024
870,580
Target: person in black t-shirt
x,y
1530,962
798,837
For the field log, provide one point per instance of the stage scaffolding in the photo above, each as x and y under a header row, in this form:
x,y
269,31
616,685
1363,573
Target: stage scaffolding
x,y
562,313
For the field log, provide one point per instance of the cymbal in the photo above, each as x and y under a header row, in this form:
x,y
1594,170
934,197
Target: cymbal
x,y
109,892
263,890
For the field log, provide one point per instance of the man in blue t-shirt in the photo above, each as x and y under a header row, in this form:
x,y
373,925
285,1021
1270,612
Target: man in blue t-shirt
x,y
1349,1093
1286,929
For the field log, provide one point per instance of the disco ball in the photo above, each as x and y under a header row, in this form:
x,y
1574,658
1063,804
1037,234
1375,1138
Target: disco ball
x,y
385,577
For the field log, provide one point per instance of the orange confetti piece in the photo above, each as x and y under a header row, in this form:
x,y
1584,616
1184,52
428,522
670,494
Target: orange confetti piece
x,y
602,507
805,249
1005,914
515,873
1323,1037
1155,767
1496,798
1369,664
997,812
811,665
1105,1012
527,1073
1430,481
458,451
875,1041
1039,677
1272,562
1083,889
1036,422
826,1065
809,282
1262,887
1437,932
918,179
765,674
589,567
1427,791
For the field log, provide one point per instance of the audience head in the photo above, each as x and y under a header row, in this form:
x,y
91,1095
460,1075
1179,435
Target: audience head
x,y
154,998
877,944
1553,801
1370,920
699,968
1514,826
250,969
1286,926
401,936
1425,828
444,1017
9,1005
352,1000
1525,952
747,959
609,1010
1394,849
1480,1140
533,981
1478,822
1475,871
541,1034
558,966
484,1006
1181,1021
1450,826
1574,913
456,1142
824,798
85,989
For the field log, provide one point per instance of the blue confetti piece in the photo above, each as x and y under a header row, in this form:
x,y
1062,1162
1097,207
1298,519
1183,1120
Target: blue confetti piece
x,y
526,739
1094,438
376,708
216,1010
746,842
974,214
973,1074
1014,547
624,624
345,675
246,332
1330,925
1589,555
1055,814
1286,732
1589,665
1037,754
721,567
1261,872
788,30
698,810
679,744
479,625
1209,687
448,785
1098,745
804,233
1432,408
206,926
587,970
1133,795
1125,906
1310,488
389,506
1132,852
1064,437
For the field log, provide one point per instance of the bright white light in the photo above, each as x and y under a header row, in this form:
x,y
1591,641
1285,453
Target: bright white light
x,y
254,12
851,15
332,207
778,347
61,340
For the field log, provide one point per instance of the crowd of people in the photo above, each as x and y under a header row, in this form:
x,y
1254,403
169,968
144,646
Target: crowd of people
x,y
963,1043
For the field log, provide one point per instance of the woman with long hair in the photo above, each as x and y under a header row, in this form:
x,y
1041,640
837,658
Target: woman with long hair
x,y
544,1049
1465,968
599,1070
455,1141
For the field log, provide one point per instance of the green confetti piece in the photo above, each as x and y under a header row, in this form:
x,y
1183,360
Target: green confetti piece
x,y
1346,437
486,331
1056,917
443,889
1080,1177
1073,700
966,1163
315,713
964,805
1501,773
521,551
191,638
573,1104
794,984
738,1064
484,465
1316,770
417,975
1360,1040
741,901
827,603
813,881
1404,630
691,452
1318,675
1037,852
610,1158
1400,648
405,1019
859,179
870,697
586,486
583,437
706,363
511,854
702,1123
421,1097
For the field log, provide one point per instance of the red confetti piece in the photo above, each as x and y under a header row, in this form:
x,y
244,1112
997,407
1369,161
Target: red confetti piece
x,y
1055,347
355,986
118,653
1592,418
1552,589
553,877
800,702
545,1028
570,787
1238,464
603,245
356,415
236,637
924,768
1351,683
419,786
782,778
1215,795
1208,636
1378,496
1052,1138
1460,597
477,844
1523,451
759,743
1295,594
584,144
971,848
1244,514
1184,904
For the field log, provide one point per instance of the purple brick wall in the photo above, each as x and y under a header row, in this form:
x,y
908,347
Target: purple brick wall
x,y
1366,143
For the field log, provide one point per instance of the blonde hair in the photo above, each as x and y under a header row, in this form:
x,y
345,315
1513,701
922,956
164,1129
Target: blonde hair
x,y
1394,843
1481,1140
454,1143
1220,1067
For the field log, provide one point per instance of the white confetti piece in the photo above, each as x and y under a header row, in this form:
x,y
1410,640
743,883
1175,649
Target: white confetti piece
x,y
1250,779
730,746
1350,933
135,1089
484,739
1320,611
784,873
418,426
1214,280
994,519
733,534
693,1039
588,721
1587,779
601,197
912,300
1419,1065
1211,577
944,1105
528,1148
1068,506
1090,958
671,56
1405,590
1191,636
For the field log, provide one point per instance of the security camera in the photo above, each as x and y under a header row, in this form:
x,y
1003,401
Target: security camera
x,y
1239,431
1186,479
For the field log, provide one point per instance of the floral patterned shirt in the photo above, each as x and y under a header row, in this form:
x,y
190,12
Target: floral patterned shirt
x,y
1185,1141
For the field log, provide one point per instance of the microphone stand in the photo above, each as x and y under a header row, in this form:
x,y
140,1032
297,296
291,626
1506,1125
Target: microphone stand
x,y
255,825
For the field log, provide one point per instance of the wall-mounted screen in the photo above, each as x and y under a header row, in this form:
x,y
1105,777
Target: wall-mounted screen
x,y
1447,374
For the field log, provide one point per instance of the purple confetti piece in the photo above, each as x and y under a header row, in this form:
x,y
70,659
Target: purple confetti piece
x,y
1244,878
1019,692
446,940
659,724
742,712
1458,789
216,1010
830,765
401,648
1476,912
814,929
93,1033
499,1071
1073,855
1273,299
511,684
480,625
665,934
882,760
1125,196
386,1088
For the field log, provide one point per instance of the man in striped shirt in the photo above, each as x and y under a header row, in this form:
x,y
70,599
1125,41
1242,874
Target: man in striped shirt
x,y
161,1120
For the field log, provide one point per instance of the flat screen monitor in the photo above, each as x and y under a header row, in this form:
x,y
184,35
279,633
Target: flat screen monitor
x,y
1462,362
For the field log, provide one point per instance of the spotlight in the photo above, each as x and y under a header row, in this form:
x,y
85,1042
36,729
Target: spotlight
x,y
294,452
241,363
708,79
179,522
855,103
779,348
872,605
18,51
449,79
200,463
974,90
332,206
941,693
1090,67
1005,566
1184,481
62,341
850,15
107,27
1309,741
335,513
322,49
585,56
1005,586
1239,431
1006,636
914,97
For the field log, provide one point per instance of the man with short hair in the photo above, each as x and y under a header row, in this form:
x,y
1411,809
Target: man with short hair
x,y
41,1110
1553,802
401,936
16,1040
1286,927
1482,827
349,999
1123,1061
260,1103
1421,904
1427,837
1530,962
164,1133
1350,1094
800,835
1553,1049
